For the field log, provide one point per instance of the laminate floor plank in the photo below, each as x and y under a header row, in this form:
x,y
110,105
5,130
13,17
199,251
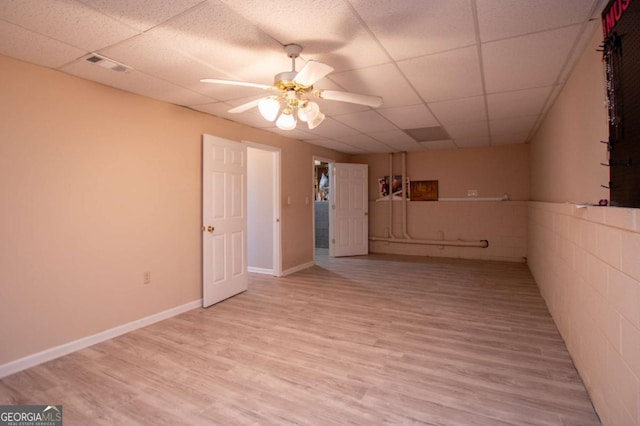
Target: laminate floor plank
x,y
365,340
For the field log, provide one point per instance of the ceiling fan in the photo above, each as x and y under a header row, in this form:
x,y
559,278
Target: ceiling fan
x,y
293,91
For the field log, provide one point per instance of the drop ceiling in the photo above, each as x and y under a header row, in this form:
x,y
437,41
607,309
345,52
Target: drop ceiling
x,y
474,72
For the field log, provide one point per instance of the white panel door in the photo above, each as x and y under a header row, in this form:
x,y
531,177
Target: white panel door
x,y
351,208
224,216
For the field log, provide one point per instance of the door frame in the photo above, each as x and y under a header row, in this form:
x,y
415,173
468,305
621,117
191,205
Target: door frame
x,y
277,224
331,163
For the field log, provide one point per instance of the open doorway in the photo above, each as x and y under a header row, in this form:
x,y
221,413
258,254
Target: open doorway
x,y
263,210
322,222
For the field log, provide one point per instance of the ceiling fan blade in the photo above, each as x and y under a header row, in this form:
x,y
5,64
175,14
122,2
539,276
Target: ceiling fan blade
x,y
236,83
312,72
246,106
354,98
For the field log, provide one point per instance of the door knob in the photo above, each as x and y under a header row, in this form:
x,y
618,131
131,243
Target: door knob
x,y
208,228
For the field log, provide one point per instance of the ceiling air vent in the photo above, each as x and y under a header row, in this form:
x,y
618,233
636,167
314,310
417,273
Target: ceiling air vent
x,y
107,63
426,134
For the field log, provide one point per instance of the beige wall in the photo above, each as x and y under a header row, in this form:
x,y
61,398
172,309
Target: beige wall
x,y
567,148
586,261
493,171
98,186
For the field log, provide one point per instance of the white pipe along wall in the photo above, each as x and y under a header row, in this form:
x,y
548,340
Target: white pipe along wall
x,y
407,239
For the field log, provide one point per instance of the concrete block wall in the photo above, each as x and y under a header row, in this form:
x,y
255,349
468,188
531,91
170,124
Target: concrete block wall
x,y
586,262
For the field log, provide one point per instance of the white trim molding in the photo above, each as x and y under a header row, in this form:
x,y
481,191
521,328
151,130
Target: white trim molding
x,y
298,268
260,270
67,348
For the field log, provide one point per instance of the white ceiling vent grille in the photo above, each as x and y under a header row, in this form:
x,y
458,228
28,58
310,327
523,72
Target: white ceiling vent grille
x,y
107,63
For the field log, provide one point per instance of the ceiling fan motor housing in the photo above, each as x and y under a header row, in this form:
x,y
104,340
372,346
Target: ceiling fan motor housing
x,y
285,81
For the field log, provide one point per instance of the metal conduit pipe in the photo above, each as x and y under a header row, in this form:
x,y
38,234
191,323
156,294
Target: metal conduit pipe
x,y
390,195
407,239
455,243
405,190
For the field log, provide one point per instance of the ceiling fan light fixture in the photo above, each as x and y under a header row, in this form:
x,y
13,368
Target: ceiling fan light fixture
x,y
308,111
286,121
315,122
269,108
293,91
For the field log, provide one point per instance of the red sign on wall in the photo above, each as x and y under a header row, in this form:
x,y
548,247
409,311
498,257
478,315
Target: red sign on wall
x,y
612,14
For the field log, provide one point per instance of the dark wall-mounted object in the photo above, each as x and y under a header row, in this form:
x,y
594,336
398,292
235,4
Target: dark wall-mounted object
x,y
424,190
621,59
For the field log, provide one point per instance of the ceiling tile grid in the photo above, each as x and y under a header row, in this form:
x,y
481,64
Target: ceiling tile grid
x,y
29,46
411,28
142,15
70,22
447,75
483,72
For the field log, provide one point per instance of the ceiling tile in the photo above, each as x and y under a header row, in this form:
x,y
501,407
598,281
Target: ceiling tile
x,y
410,117
331,108
517,103
252,119
137,82
171,45
477,129
398,141
338,146
393,137
28,46
460,110
328,30
472,142
509,139
219,109
498,19
366,121
300,133
208,41
177,66
411,28
381,80
526,62
444,144
366,143
506,126
332,129
448,75
408,147
53,18
141,14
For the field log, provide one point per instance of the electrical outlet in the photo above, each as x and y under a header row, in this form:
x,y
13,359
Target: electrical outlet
x,y
472,192
147,278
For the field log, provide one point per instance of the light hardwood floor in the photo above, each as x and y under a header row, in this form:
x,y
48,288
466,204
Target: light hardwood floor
x,y
365,340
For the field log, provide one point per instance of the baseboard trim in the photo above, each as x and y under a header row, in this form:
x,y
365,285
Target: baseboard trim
x,y
298,268
67,348
260,270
